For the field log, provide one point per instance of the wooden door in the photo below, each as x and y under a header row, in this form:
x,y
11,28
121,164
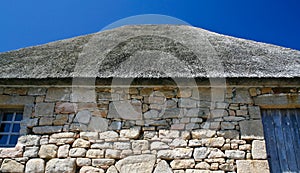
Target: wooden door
x,y
282,134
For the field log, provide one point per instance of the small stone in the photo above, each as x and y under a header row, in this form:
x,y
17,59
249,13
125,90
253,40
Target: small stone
x,y
249,166
63,151
90,169
112,169
95,153
235,154
35,166
89,135
46,129
109,135
48,151
229,134
227,167
83,117
158,146
65,108
9,165
142,163
122,145
182,164
31,152
29,140
215,153
214,166
81,143
217,113
203,133
201,153
213,142
245,147
140,145
184,92
195,143
103,163
112,154
152,114
227,126
202,165
178,143
162,167
187,103
177,153
83,162
259,150
168,134
44,109
77,152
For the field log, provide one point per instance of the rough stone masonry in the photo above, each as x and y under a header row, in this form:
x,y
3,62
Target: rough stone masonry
x,y
175,132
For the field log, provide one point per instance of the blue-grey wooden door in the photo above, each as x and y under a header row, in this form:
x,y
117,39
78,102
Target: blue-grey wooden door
x,y
282,134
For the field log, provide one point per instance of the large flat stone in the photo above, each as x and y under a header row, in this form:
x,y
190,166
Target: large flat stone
x,y
141,164
9,165
61,165
125,110
252,166
259,149
58,94
42,109
16,100
251,129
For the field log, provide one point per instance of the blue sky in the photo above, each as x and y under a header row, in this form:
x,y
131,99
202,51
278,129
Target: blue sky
x,y
31,22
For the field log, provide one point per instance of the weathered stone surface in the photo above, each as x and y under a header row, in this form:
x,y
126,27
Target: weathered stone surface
x,y
60,119
140,145
98,124
251,129
63,135
35,166
46,121
16,100
162,167
42,109
63,151
77,152
9,165
203,133
65,107
158,145
112,169
202,165
81,143
58,94
227,126
46,129
85,95
103,145
61,165
112,154
229,134
90,169
152,114
31,152
215,153
173,113
254,112
184,92
217,113
122,145
29,140
251,166
125,110
83,162
211,125
259,150
109,135
36,91
213,142
89,135
142,164
132,133
227,167
235,154
187,103
201,153
48,151
242,95
178,143
182,164
168,134
95,153
177,153
103,163
83,117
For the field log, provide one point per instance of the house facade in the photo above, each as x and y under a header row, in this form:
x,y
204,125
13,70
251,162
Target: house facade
x,y
150,98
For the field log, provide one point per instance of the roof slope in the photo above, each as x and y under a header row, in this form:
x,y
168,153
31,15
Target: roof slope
x,y
151,51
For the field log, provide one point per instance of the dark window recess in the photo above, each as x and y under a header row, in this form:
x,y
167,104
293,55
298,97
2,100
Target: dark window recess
x,y
10,127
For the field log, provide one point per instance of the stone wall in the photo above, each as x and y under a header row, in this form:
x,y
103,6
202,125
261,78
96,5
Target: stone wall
x,y
139,129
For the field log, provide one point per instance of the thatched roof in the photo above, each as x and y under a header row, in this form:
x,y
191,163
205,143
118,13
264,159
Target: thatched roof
x,y
148,51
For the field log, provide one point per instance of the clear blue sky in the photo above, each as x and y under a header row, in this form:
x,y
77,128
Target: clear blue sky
x,y
31,22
